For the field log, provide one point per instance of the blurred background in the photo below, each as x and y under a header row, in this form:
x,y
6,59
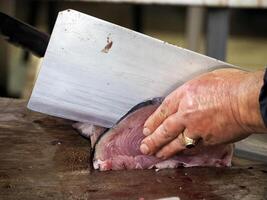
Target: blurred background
x,y
234,31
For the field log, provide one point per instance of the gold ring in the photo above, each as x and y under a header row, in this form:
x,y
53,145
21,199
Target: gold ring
x,y
189,142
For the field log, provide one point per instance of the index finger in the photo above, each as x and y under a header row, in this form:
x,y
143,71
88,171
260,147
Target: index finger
x,y
168,107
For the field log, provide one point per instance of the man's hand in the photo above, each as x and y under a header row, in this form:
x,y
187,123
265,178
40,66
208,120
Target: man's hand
x,y
215,108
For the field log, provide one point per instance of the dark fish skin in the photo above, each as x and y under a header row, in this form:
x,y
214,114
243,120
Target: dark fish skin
x,y
154,101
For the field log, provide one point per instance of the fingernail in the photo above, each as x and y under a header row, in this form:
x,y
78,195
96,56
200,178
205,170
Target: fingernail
x,y
146,131
144,149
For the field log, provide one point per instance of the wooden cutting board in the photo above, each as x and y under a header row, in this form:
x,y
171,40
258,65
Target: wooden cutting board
x,y
44,158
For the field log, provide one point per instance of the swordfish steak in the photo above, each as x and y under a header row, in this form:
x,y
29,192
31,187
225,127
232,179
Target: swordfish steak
x,y
117,148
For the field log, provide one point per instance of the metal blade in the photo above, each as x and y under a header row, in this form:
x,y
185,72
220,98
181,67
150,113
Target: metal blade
x,y
94,71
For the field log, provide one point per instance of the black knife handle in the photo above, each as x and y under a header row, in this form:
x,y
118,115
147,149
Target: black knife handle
x,y
19,33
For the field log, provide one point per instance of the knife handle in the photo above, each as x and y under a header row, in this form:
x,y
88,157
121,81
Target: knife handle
x,y
19,33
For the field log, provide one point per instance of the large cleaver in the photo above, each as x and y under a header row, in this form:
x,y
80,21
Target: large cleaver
x,y
94,71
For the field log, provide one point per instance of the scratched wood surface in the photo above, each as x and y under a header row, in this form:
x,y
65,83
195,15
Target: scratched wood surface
x,y
42,157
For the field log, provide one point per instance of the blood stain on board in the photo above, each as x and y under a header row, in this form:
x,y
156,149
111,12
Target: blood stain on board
x,y
108,46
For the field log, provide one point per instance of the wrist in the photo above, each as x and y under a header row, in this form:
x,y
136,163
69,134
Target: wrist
x,y
248,102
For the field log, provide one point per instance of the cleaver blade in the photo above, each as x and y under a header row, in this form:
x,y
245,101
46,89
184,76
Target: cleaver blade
x,y
94,71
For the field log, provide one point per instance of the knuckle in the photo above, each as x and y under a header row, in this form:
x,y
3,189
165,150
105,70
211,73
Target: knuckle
x,y
167,102
151,122
164,108
163,112
164,132
170,123
187,113
152,143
